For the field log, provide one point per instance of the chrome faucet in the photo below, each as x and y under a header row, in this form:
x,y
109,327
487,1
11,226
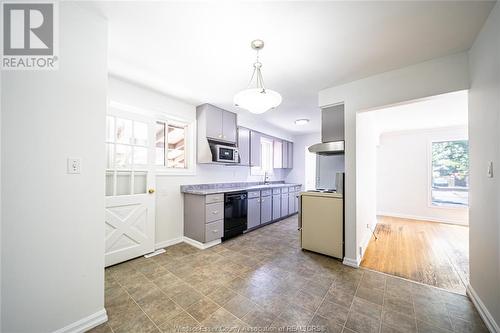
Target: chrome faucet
x,y
266,178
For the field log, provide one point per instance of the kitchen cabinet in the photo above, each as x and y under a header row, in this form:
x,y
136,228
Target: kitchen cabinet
x,y
266,209
204,220
244,145
278,153
290,155
284,204
284,155
276,206
255,151
216,124
253,212
296,205
291,203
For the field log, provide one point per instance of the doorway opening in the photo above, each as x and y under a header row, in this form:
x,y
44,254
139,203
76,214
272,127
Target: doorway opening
x,y
412,190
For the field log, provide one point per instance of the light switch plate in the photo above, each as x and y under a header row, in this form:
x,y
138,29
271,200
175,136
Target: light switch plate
x,y
74,165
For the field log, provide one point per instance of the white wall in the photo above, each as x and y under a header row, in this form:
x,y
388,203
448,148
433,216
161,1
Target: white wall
x,y
304,167
426,79
403,175
484,138
52,222
366,178
169,199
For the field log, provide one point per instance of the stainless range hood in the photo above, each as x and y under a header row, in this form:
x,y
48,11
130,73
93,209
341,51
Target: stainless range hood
x,y
332,131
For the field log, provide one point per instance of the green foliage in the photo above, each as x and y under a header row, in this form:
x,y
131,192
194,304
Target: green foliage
x,y
450,159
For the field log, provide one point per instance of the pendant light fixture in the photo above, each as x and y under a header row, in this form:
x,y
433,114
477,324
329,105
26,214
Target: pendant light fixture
x,y
256,98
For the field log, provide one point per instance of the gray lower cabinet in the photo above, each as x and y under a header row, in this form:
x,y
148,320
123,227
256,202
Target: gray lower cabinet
x,y
284,204
253,213
276,206
291,203
204,220
266,209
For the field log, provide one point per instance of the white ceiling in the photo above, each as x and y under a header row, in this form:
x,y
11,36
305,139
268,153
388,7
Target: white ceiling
x,y
200,51
445,110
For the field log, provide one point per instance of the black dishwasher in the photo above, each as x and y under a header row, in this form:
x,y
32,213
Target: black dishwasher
x,y
235,214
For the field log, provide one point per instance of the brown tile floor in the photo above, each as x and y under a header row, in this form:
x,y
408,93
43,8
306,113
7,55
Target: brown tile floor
x,y
263,279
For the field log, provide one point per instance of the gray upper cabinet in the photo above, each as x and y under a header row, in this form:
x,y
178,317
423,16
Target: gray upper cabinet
x,y
216,123
290,155
284,158
244,145
266,209
253,212
278,153
255,153
229,126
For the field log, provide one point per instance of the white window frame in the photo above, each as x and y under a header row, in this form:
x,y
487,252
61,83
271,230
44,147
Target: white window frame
x,y
190,138
258,170
429,171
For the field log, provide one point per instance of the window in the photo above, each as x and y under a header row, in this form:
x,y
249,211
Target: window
x,y
170,145
450,173
267,158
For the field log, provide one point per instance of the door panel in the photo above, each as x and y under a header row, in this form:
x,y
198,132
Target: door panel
x,y
244,145
129,203
291,203
229,126
266,210
214,122
253,213
255,157
276,206
284,205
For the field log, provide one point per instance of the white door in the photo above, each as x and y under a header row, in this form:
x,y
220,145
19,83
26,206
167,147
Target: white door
x,y
130,181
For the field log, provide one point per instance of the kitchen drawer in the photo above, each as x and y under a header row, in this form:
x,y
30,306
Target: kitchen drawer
x,y
214,230
253,194
212,198
276,190
291,189
265,193
284,190
297,188
214,212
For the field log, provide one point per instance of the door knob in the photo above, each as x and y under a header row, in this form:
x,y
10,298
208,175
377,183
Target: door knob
x,y
151,191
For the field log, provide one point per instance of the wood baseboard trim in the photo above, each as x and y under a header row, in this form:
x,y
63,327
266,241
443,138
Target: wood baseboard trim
x,y
199,245
351,262
167,243
422,218
86,323
483,311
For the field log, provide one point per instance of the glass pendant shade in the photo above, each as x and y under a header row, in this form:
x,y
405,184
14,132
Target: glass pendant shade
x,y
257,100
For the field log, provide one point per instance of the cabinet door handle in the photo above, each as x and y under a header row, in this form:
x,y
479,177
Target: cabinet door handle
x,y
215,212
220,135
215,231
262,200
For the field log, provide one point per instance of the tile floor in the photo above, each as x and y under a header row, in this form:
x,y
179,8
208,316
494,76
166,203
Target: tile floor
x,y
263,279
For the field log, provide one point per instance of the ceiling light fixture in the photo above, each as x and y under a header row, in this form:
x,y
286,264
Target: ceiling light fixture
x,y
257,99
301,122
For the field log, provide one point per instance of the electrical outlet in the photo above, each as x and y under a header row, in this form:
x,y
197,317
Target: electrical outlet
x,y
73,165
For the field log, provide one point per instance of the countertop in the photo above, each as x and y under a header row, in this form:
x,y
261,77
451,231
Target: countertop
x,y
322,194
226,188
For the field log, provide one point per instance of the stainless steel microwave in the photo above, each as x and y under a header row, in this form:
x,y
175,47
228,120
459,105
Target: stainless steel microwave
x,y
225,154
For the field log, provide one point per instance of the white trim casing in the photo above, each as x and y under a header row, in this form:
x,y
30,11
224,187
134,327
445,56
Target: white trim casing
x,y
167,243
423,218
483,311
199,245
351,262
85,324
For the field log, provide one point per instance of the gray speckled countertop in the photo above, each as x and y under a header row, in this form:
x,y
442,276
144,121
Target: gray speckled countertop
x,y
204,189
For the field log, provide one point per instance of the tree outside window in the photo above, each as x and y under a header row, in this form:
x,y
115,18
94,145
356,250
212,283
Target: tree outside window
x,y
450,173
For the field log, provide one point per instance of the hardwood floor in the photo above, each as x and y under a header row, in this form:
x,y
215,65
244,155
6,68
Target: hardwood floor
x,y
433,253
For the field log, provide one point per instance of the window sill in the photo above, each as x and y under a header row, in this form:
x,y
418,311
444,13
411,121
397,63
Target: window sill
x,y
176,172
